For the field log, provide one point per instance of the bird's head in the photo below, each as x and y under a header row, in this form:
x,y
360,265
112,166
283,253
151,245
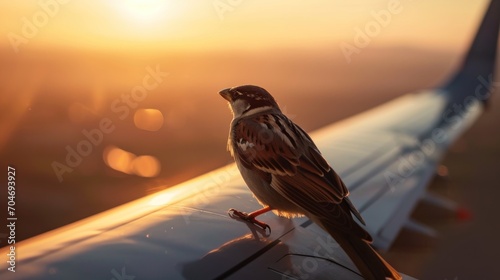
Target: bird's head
x,y
248,100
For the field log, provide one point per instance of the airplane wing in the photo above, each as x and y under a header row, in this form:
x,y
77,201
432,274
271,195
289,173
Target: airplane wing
x,y
386,156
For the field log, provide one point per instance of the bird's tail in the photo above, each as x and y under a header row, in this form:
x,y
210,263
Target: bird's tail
x,y
371,265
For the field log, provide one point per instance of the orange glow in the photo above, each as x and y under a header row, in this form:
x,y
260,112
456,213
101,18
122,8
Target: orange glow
x,y
146,166
119,159
145,10
127,162
170,24
148,119
166,197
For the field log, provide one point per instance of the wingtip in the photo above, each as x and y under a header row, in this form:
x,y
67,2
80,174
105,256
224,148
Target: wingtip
x,y
355,211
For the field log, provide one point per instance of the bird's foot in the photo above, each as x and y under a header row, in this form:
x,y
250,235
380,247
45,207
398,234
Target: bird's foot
x,y
235,214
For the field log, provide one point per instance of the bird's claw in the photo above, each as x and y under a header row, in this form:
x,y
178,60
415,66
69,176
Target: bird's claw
x,y
235,214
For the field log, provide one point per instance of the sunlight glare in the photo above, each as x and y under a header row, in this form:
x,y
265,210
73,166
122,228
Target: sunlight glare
x,y
146,11
171,195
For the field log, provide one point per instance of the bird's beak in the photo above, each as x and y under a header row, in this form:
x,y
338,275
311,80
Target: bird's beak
x,y
226,94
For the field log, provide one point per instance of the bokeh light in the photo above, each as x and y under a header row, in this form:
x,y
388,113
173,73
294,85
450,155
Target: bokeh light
x,y
118,159
146,166
129,163
148,119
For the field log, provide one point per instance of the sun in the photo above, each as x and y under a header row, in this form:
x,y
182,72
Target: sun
x,y
142,21
145,11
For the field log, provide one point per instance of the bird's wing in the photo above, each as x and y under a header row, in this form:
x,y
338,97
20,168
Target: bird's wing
x,y
301,190
272,143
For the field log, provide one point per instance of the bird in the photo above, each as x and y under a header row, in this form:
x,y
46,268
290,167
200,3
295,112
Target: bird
x,y
287,174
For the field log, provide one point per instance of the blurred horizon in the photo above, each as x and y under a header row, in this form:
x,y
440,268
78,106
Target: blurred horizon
x,y
69,68
159,25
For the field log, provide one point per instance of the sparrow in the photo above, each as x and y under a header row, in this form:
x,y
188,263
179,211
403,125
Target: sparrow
x,y
287,174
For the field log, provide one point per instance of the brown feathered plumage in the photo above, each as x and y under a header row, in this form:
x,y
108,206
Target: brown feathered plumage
x,y
285,170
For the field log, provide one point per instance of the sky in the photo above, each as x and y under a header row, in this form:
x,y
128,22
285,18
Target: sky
x,y
60,75
235,24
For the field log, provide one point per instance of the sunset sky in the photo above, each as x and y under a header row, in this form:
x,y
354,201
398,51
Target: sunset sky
x,y
64,63
222,24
